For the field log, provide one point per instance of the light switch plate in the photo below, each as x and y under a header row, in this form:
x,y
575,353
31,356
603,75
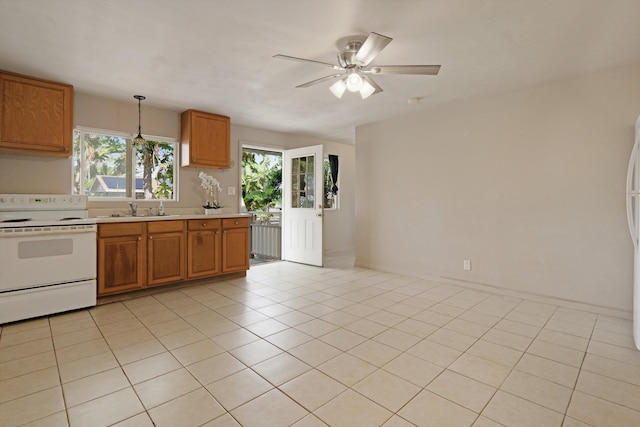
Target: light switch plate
x,y
231,191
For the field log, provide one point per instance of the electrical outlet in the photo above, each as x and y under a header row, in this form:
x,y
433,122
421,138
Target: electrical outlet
x,y
466,264
231,191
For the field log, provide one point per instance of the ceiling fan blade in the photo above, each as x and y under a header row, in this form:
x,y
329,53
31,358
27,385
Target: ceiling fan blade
x,y
430,70
371,47
320,80
293,58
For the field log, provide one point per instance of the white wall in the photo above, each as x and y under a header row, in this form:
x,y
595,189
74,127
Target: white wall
x,y
530,186
29,174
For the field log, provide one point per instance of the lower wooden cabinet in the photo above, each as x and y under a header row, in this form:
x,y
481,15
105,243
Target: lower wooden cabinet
x,y
203,248
122,254
136,255
235,244
165,252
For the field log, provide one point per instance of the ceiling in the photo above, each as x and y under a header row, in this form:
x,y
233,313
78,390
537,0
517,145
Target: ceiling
x,y
216,55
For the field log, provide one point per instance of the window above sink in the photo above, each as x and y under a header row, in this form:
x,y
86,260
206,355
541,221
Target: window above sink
x,y
106,166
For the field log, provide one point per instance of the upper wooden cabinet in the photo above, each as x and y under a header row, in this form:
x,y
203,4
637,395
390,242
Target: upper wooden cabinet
x,y
205,140
36,116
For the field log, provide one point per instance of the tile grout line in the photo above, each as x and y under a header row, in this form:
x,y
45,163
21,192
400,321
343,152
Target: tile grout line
x,y
353,286
580,372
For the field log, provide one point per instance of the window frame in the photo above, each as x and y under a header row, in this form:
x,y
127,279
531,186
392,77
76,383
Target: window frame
x,y
130,163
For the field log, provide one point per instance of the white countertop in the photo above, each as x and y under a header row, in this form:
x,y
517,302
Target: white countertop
x,y
109,219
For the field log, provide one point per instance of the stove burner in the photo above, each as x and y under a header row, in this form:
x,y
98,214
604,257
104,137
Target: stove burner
x,y
70,218
17,220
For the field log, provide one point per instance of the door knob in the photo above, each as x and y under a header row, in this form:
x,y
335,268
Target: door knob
x,y
319,214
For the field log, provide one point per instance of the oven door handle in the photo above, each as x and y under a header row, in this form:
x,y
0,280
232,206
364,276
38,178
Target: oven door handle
x,y
46,231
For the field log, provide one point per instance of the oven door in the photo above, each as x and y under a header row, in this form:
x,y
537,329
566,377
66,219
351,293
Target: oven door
x,y
43,256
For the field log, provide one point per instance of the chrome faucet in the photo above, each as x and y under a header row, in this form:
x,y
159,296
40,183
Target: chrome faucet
x,y
134,209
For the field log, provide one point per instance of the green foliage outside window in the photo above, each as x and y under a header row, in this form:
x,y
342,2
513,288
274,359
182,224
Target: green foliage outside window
x,y
329,201
261,181
156,159
151,176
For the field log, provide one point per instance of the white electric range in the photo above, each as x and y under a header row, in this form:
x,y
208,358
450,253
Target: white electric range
x,y
47,255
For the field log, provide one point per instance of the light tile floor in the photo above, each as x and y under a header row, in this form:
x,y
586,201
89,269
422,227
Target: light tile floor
x,y
341,346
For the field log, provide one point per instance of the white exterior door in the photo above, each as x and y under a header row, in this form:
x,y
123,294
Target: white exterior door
x,y
303,173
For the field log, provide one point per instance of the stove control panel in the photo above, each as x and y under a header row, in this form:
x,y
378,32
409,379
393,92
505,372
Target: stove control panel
x,y
28,202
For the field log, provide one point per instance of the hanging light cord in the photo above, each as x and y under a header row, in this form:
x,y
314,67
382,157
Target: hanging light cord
x,y
139,117
139,139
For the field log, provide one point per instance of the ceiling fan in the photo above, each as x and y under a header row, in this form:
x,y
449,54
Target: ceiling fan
x,y
354,71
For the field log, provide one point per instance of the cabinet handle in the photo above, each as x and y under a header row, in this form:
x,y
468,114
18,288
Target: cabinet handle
x,y
217,232
139,238
204,224
150,237
236,222
225,231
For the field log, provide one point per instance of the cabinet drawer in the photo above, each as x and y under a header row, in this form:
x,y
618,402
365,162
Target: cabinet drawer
x,y
121,229
203,224
235,223
165,226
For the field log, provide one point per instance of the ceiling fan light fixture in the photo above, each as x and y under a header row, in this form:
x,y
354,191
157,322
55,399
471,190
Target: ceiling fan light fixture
x,y
338,88
366,90
354,67
354,81
139,140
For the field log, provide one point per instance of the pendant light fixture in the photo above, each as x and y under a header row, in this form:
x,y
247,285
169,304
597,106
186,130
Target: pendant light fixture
x,y
139,140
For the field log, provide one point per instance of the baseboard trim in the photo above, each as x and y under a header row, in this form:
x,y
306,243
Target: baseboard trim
x,y
546,299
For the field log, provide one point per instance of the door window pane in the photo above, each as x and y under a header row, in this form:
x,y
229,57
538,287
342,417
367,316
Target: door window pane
x,y
310,191
302,182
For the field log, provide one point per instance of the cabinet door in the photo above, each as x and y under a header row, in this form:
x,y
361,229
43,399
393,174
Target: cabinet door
x,y
235,249
36,116
203,253
205,140
121,264
165,258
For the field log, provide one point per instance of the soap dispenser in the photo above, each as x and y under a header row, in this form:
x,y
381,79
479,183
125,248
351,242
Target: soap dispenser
x,y
161,209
